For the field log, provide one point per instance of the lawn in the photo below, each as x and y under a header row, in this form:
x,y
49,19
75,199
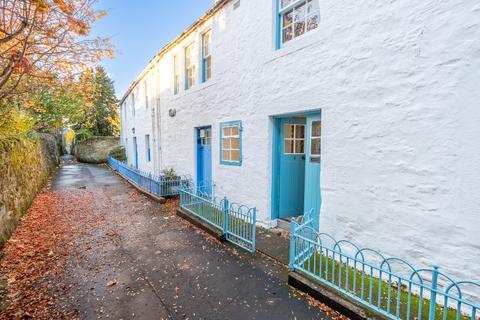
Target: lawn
x,y
393,297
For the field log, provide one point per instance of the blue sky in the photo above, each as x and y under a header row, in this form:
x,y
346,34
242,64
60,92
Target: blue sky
x,y
139,28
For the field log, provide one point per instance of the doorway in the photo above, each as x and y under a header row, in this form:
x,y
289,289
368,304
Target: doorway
x,y
204,159
296,166
135,152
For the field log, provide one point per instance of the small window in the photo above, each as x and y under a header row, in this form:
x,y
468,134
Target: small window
x,y
297,17
294,139
206,57
315,143
206,136
231,143
133,104
145,89
176,75
189,67
147,148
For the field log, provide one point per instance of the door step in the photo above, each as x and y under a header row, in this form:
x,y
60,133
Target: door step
x,y
284,224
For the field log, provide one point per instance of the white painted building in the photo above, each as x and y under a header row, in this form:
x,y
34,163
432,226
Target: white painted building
x,y
395,86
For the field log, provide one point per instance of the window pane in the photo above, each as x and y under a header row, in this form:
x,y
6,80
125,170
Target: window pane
x,y
289,131
300,132
288,18
235,143
316,128
315,147
208,66
286,3
312,22
312,6
206,44
299,15
234,131
299,28
226,155
235,155
288,146
227,132
287,34
226,144
299,18
299,146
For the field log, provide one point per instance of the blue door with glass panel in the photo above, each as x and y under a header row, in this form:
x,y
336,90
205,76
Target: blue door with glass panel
x,y
312,167
204,159
291,167
135,152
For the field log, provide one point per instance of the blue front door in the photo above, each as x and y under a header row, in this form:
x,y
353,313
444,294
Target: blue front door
x,y
204,159
135,152
291,167
312,167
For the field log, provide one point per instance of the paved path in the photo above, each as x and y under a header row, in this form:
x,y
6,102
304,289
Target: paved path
x,y
142,262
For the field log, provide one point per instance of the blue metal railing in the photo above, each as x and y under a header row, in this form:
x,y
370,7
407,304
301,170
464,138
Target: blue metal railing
x,y
159,185
236,222
390,286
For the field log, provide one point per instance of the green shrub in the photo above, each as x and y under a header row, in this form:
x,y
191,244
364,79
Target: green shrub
x,y
118,153
82,134
169,173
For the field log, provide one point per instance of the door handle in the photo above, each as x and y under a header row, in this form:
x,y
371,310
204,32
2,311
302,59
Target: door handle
x,y
303,157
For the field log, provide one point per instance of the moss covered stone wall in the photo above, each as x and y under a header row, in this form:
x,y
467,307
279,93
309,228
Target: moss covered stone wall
x,y
25,166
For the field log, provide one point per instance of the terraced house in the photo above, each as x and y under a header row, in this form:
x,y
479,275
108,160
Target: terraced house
x,y
365,112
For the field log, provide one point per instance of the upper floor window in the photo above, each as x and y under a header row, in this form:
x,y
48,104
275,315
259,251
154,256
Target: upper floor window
x,y
189,67
145,88
297,17
176,75
206,56
133,104
231,143
148,155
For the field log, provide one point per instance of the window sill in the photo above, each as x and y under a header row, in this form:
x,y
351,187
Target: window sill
x,y
196,88
227,163
308,40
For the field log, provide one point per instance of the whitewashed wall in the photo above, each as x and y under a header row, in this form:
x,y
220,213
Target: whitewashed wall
x,y
398,86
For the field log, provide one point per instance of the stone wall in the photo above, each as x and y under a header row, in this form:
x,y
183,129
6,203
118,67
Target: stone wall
x,y
25,166
95,150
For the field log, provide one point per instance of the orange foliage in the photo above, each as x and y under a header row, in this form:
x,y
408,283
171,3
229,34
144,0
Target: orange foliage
x,y
39,37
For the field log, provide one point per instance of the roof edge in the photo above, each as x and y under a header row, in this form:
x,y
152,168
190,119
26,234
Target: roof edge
x,y
220,4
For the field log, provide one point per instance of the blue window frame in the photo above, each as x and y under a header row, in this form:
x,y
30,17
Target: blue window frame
x,y
295,18
147,148
231,143
206,56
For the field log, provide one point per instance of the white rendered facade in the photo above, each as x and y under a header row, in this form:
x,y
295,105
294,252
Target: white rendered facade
x,y
397,84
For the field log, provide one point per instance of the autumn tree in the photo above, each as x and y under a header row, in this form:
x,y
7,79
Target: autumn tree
x,y
44,38
55,105
100,110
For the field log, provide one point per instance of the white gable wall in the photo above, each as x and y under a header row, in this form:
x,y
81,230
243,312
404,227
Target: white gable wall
x,y
397,84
